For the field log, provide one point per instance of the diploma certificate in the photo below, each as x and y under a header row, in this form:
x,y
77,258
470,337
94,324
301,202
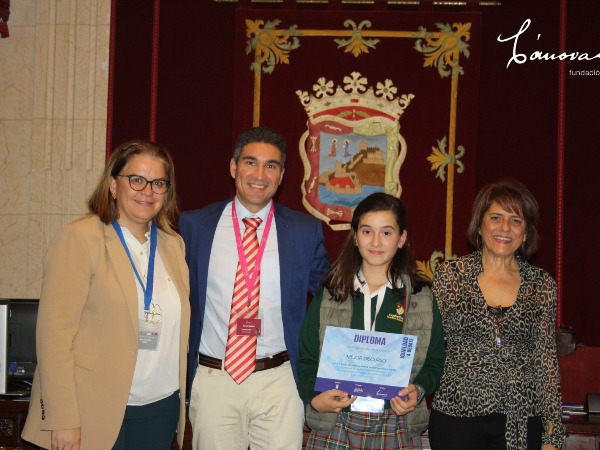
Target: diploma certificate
x,y
365,363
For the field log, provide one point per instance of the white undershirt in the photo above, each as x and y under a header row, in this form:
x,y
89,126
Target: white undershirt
x,y
156,373
368,297
221,278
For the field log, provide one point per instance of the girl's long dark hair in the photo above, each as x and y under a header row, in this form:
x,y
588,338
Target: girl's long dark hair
x,y
339,279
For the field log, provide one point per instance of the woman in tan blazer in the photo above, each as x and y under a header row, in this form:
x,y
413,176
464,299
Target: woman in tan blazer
x,y
113,319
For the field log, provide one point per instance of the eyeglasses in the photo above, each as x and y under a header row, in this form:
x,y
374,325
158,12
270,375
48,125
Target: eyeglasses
x,y
139,183
497,332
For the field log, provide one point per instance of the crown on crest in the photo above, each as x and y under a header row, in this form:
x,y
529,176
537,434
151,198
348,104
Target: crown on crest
x,y
352,96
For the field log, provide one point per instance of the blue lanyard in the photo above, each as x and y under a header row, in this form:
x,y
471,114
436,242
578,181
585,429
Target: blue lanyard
x,y
150,279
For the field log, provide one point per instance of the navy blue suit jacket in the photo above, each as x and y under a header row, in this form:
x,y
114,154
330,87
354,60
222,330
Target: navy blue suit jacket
x,y
302,262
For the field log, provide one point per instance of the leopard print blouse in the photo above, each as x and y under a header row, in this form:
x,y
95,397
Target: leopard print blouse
x,y
520,379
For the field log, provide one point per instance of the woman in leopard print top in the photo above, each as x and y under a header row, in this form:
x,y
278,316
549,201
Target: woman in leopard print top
x,y
500,388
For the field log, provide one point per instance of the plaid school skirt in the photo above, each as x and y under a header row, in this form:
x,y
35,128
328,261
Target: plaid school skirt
x,y
366,431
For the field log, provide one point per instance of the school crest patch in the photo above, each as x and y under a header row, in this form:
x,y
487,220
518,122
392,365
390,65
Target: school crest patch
x,y
399,316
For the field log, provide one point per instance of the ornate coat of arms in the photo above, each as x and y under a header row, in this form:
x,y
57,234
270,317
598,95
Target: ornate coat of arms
x,y
352,147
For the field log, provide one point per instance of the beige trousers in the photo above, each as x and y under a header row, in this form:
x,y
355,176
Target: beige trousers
x,y
264,412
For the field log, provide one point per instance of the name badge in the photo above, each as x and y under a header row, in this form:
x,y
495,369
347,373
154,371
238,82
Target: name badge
x,y
368,405
248,327
148,335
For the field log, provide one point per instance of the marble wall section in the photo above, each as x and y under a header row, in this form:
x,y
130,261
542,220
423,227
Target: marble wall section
x,y
53,116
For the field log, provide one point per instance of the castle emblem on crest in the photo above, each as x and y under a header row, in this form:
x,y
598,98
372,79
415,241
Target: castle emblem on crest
x,y
352,146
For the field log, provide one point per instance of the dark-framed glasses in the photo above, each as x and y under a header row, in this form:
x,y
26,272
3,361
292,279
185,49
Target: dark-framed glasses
x,y
139,183
497,314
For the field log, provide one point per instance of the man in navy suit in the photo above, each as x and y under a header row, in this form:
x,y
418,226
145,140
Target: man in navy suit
x,y
262,411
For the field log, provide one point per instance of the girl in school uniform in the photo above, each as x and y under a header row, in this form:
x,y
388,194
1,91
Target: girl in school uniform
x,y
373,286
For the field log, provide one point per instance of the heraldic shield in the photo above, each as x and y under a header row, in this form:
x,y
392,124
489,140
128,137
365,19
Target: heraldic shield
x,y
352,147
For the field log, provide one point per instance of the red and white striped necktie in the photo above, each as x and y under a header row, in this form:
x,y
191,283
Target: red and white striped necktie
x,y
240,353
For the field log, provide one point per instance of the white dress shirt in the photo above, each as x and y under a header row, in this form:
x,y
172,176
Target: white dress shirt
x,y
156,374
221,279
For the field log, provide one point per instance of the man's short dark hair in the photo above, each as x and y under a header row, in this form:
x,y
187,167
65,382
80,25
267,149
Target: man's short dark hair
x,y
260,134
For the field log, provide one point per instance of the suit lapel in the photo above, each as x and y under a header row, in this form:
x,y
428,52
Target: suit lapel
x,y
123,272
285,243
168,254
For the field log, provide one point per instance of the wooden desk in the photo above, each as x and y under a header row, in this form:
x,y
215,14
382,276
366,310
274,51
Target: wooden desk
x,y
582,433
12,418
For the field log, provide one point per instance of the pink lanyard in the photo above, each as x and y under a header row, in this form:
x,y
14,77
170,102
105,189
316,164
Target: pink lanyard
x,y
250,280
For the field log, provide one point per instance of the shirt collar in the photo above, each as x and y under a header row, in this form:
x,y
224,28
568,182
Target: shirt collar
x,y
475,267
132,240
358,284
242,212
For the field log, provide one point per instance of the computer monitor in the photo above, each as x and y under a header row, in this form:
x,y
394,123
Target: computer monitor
x,y
3,346
20,338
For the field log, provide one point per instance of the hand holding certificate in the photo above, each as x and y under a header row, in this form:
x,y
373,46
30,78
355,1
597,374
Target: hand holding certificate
x,y
365,363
